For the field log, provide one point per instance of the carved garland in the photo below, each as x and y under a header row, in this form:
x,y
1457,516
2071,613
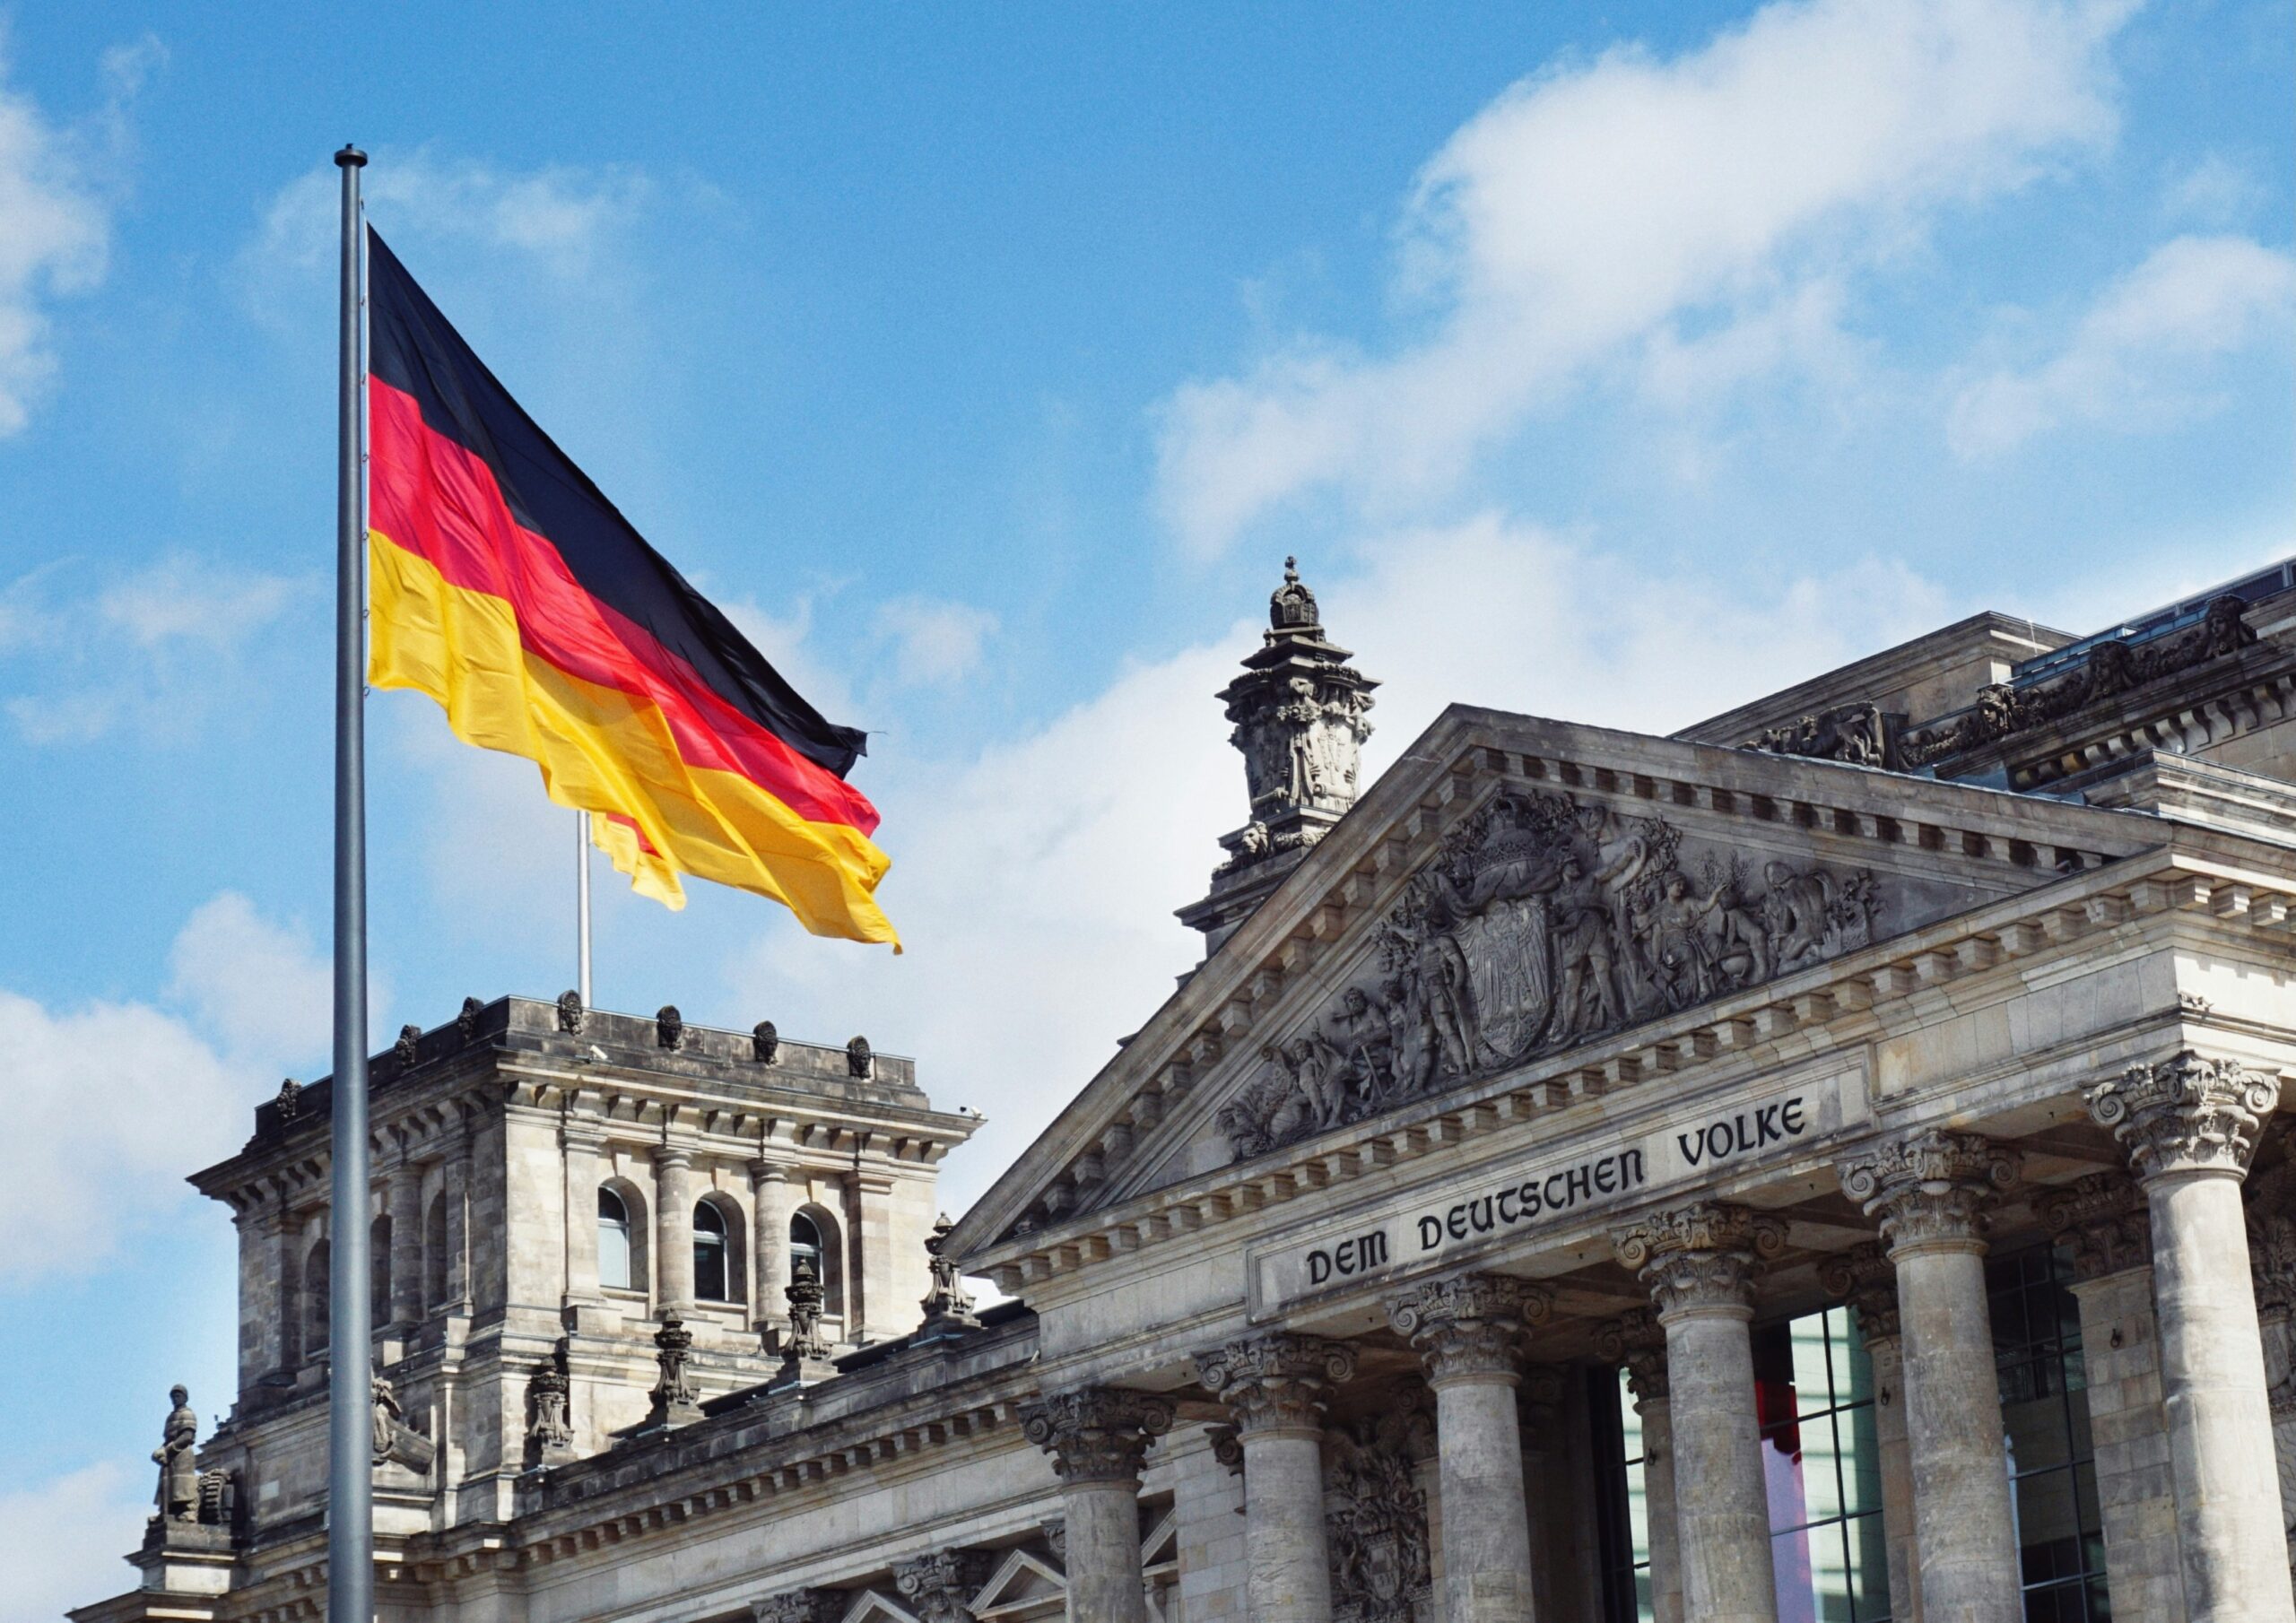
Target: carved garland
x,y
1543,922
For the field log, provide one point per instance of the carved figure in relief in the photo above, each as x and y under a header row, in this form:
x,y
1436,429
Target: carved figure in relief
x,y
1541,923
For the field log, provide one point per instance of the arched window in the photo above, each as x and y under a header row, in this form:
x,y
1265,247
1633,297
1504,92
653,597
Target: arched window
x,y
434,1253
805,1242
315,1299
711,1281
614,1241
813,1237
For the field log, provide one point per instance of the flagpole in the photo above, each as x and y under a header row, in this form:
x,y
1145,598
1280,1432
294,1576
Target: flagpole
x,y
350,1501
582,905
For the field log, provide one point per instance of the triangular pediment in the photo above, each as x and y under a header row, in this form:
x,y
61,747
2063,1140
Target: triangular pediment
x,y
1512,891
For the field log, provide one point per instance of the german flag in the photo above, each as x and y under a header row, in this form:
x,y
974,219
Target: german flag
x,y
504,586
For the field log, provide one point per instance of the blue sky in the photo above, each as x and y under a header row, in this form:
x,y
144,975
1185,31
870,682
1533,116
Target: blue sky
x,y
1617,363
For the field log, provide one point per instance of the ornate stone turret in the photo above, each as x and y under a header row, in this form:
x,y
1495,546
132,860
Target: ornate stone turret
x,y
1299,712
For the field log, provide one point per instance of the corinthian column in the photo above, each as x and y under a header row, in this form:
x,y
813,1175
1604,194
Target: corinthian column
x,y
1636,1341
2189,1125
1931,1191
1864,1277
673,1229
1469,1334
1276,1386
1097,1438
1699,1264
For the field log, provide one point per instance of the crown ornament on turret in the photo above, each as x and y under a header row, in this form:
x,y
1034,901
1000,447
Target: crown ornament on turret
x,y
1299,711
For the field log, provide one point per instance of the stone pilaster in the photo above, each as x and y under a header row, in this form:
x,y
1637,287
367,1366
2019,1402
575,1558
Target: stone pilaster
x,y
1636,1341
1698,1263
1931,1191
2103,1223
1468,1333
770,1205
580,1140
1097,1438
2189,1125
674,1229
1275,1387
939,1588
458,1196
1865,1279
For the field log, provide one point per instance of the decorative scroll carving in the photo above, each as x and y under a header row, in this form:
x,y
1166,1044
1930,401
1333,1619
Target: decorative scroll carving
x,y
1863,1277
672,1401
1276,1382
1542,923
549,1430
1637,1339
1861,735
1701,1256
402,1050
1469,1326
801,1606
1098,1434
765,1042
2103,1220
1227,1448
394,1439
1933,1187
948,1305
2107,670
1376,1514
937,1586
2189,1114
669,1027
858,1060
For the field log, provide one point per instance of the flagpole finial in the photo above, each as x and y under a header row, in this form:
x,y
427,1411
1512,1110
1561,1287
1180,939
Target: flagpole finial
x,y
350,158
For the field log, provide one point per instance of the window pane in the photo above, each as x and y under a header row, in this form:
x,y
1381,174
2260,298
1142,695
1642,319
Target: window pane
x,y
613,1243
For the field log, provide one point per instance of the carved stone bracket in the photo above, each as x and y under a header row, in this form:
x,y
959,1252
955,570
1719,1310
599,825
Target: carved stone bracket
x,y
938,1587
1637,1339
1863,1277
2103,1220
1931,1189
1097,1434
1278,1381
2188,1114
1470,1327
1227,1448
1701,1258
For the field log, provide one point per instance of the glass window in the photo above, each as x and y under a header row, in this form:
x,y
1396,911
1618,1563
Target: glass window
x,y
1622,1510
614,1241
1813,1395
709,1281
805,1242
2045,1411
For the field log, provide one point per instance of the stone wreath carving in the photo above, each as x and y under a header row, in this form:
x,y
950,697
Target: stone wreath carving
x,y
1543,922
2108,669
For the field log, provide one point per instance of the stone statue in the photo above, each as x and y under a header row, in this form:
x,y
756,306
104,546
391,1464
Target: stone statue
x,y
857,1057
290,1101
673,1402
805,1299
669,1027
179,1493
393,1438
466,1021
1542,922
765,1042
570,1012
549,1430
403,1050
947,1305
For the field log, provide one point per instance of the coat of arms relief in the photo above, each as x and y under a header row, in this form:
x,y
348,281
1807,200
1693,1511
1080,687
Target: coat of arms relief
x,y
1543,922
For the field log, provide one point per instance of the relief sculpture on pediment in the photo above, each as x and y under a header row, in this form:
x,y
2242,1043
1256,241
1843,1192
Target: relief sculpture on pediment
x,y
1543,922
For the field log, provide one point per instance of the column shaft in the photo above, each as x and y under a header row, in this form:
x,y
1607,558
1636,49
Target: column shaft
x,y
770,1249
1486,1533
1723,1518
582,1180
1962,1516
1896,1461
2220,1417
1658,1509
673,1230
1275,1385
1105,1579
404,1198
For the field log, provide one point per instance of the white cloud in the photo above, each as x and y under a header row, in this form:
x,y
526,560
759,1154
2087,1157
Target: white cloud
x,y
1596,207
112,1103
2214,191
60,1540
2135,358
934,641
1034,882
156,648
54,239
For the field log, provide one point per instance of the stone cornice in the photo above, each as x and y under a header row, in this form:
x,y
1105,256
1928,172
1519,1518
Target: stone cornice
x,y
1847,1001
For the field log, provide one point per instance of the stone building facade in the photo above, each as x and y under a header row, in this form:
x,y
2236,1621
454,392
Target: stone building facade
x,y
1826,1163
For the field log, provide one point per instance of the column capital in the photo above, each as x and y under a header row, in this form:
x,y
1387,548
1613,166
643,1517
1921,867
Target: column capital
x,y
1932,1188
1470,1327
801,1606
2190,1114
1863,1277
938,1586
2103,1220
1700,1258
1277,1382
668,1156
766,1168
1636,1339
1097,1434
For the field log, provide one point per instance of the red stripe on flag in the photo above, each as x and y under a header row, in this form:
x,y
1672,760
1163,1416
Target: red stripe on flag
x,y
437,499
